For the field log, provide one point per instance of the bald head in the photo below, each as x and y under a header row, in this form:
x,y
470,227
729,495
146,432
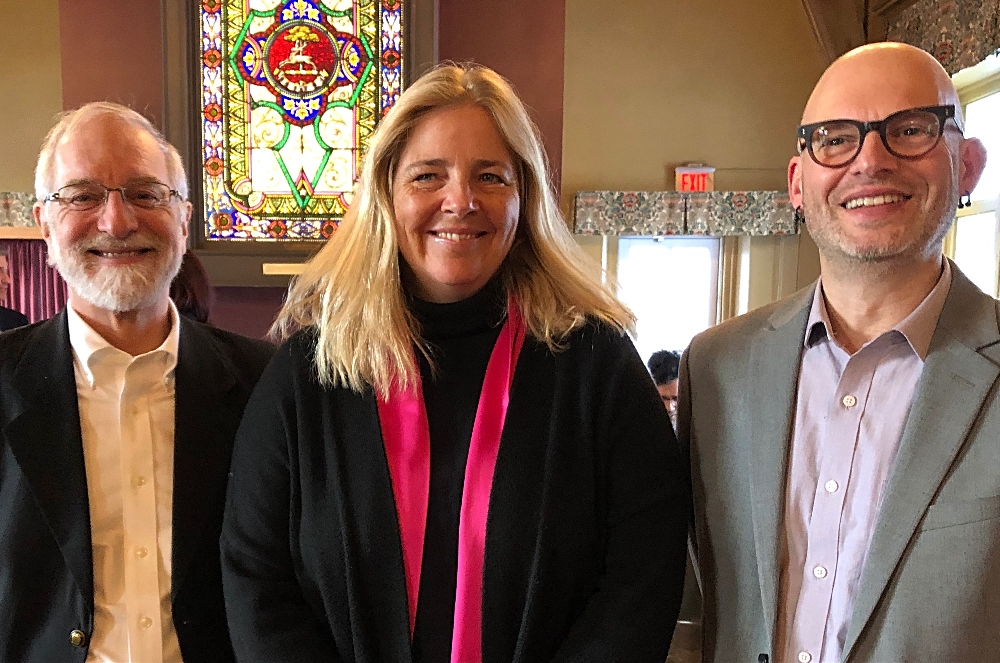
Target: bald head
x,y
876,80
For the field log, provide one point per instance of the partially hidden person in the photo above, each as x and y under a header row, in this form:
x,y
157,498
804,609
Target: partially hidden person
x,y
664,367
192,291
9,318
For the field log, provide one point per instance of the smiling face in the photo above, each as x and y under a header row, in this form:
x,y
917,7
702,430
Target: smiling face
x,y
880,207
115,258
455,202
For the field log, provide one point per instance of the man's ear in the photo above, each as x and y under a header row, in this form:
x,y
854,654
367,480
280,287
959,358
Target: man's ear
x,y
795,181
186,223
40,220
972,162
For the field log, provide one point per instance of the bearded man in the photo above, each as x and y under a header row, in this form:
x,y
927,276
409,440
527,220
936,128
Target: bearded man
x,y
117,417
845,442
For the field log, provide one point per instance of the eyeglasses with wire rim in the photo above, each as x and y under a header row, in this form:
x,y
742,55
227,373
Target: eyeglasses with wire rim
x,y
88,196
907,134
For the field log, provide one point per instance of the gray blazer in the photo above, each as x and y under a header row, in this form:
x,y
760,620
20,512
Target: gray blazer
x,y
930,589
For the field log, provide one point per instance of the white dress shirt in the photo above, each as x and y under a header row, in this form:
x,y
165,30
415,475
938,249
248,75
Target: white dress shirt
x,y
127,423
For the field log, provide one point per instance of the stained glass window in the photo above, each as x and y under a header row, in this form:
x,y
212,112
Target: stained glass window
x,y
291,93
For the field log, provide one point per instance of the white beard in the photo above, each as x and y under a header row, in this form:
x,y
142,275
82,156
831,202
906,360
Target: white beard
x,y
117,289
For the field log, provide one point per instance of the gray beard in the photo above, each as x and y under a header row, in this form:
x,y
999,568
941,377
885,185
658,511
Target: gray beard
x,y
116,289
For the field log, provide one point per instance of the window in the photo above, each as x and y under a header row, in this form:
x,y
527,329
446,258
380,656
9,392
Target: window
x,y
671,284
974,243
291,91
975,249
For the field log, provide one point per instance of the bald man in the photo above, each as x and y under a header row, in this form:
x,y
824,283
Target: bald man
x,y
845,441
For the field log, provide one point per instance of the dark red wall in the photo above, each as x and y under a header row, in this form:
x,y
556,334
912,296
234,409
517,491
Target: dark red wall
x,y
524,40
112,51
247,311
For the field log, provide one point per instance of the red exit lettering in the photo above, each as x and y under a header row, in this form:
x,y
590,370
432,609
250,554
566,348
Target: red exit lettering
x,y
693,181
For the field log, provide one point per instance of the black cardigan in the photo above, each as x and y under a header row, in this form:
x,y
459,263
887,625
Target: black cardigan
x,y
585,536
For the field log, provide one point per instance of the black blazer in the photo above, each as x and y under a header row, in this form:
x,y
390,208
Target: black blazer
x,y
9,319
46,571
585,541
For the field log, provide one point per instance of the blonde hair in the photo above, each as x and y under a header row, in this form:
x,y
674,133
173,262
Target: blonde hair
x,y
351,292
68,121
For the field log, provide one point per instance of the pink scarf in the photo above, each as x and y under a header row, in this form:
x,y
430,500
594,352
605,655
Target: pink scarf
x,y
407,440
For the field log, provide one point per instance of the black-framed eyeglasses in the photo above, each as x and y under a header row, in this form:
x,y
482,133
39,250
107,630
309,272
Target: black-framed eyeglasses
x,y
88,196
906,134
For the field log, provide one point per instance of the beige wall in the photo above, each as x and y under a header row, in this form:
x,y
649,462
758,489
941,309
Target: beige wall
x,y
31,81
652,85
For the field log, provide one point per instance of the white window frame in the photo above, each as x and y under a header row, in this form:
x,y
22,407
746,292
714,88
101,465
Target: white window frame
x,y
974,84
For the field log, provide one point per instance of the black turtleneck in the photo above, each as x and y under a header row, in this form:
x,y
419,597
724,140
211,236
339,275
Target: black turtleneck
x,y
461,337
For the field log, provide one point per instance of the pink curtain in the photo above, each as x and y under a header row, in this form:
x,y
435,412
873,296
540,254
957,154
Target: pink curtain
x,y
37,290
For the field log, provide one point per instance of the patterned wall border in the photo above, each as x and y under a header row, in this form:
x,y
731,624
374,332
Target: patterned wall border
x,y
959,33
653,213
657,213
15,210
629,213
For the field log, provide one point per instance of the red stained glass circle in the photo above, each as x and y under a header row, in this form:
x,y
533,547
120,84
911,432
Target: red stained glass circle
x,y
213,112
277,229
223,221
390,58
212,58
214,166
301,59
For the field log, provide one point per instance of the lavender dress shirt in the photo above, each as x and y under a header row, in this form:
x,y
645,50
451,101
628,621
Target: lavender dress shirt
x,y
849,417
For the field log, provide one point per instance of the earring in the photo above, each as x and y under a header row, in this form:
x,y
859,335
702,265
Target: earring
x,y
800,216
965,200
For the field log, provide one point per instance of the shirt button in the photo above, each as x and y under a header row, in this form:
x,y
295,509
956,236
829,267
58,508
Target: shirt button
x,y
145,622
849,401
141,553
140,480
77,638
805,657
831,486
820,572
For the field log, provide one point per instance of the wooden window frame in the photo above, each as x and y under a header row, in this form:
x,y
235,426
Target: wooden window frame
x,y
231,263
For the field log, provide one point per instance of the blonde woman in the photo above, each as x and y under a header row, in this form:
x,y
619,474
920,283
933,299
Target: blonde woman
x,y
458,456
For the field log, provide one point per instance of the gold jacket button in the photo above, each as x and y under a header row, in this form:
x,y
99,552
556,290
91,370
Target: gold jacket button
x,y
77,638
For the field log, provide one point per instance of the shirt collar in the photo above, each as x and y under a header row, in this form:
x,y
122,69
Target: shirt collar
x,y
89,346
917,328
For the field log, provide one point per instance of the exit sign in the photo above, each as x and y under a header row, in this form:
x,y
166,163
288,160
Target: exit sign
x,y
691,179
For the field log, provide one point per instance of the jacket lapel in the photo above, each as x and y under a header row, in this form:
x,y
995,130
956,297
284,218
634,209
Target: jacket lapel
x,y
206,415
955,381
43,431
518,516
774,362
373,547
